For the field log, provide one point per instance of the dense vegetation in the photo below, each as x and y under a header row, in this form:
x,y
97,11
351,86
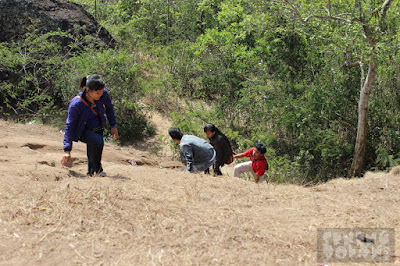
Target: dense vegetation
x,y
282,73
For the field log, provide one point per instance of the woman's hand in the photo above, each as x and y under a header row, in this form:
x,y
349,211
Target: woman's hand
x,y
114,133
66,158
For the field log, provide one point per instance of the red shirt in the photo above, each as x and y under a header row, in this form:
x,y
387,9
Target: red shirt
x,y
259,164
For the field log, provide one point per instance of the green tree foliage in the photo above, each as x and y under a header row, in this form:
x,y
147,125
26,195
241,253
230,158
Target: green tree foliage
x,y
266,72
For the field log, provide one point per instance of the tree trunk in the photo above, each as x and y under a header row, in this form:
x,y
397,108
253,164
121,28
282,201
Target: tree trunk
x,y
359,149
168,21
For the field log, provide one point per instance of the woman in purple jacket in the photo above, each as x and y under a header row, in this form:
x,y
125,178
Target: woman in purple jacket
x,y
87,114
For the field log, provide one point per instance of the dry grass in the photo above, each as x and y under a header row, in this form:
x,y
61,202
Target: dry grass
x,y
153,214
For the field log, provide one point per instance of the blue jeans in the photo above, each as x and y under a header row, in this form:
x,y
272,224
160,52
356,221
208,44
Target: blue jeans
x,y
94,143
202,166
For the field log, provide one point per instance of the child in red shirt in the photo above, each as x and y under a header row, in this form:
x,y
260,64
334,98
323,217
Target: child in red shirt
x,y
258,163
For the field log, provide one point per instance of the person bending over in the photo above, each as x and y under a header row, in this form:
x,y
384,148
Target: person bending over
x,y
195,152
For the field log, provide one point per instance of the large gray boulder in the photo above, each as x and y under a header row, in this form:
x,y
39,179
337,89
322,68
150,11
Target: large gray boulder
x,y
18,16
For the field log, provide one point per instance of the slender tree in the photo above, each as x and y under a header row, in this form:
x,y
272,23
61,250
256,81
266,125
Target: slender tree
x,y
372,22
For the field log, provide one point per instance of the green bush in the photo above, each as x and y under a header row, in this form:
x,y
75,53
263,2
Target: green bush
x,y
40,78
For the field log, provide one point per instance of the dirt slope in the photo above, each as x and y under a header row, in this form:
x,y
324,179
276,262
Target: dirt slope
x,y
153,214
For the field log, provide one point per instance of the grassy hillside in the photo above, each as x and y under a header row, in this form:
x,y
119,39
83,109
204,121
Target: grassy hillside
x,y
155,214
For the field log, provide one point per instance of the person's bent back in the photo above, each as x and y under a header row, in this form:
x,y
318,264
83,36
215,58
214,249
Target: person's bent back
x,y
198,154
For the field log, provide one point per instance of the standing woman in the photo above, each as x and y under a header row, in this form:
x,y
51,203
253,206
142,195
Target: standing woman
x,y
87,114
221,145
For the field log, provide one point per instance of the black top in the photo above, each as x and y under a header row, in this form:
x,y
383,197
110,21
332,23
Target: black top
x,y
223,149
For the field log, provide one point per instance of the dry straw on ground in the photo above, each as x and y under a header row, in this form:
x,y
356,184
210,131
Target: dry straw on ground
x,y
153,214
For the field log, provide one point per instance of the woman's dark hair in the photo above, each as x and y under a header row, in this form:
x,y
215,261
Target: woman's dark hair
x,y
261,148
210,127
175,133
213,128
93,82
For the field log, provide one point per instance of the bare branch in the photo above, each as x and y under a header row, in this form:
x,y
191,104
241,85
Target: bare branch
x,y
362,74
329,8
366,28
357,63
385,7
357,4
339,17
367,33
295,10
353,64
383,11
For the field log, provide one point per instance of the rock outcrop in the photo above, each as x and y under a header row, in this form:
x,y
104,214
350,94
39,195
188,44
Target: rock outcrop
x,y
17,16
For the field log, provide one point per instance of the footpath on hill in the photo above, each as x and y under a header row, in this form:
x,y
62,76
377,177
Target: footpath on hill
x,y
152,213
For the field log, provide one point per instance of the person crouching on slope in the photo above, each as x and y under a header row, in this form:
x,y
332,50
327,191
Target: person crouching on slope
x,y
86,121
221,146
258,163
198,154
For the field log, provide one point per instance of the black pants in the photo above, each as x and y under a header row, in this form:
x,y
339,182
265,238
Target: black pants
x,y
94,143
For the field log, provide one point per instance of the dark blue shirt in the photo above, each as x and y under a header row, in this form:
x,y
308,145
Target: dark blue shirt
x,y
93,120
